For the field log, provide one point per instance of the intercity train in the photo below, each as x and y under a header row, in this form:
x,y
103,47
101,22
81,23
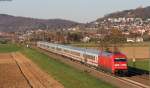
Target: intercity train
x,y
115,63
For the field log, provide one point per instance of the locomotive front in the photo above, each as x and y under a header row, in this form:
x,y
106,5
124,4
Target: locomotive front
x,y
120,63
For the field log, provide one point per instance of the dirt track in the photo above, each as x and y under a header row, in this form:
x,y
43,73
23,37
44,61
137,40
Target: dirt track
x,y
16,71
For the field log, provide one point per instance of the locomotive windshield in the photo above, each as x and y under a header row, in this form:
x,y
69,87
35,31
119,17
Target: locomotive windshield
x,y
120,60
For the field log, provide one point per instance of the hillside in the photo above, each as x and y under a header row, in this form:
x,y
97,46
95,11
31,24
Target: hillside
x,y
13,23
10,23
140,12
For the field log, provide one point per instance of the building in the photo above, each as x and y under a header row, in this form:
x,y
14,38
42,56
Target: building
x,y
130,39
86,39
137,39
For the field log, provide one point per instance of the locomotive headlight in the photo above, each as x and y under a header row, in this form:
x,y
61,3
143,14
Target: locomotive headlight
x,y
116,64
124,65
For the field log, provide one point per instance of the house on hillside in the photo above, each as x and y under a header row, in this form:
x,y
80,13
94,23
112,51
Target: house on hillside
x,y
130,39
86,39
137,39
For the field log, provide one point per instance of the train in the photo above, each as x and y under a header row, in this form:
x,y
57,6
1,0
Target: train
x,y
115,63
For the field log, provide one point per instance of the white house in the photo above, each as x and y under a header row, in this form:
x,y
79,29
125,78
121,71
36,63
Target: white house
x,y
130,39
86,39
138,39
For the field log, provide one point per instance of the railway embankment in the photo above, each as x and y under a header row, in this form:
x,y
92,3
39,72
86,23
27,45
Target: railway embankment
x,y
117,81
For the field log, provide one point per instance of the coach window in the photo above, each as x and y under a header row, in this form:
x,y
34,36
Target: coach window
x,y
67,51
59,49
52,47
120,60
89,57
75,53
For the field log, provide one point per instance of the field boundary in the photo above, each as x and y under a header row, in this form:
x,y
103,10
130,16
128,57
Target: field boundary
x,y
36,77
18,65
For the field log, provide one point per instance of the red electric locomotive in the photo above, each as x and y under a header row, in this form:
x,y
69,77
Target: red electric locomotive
x,y
115,63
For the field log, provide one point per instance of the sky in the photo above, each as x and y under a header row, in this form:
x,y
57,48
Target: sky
x,y
76,10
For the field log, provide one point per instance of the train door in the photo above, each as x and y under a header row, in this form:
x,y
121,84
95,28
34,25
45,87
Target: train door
x,y
82,57
85,58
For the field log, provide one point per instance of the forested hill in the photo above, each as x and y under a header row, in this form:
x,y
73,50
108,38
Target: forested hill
x,y
14,23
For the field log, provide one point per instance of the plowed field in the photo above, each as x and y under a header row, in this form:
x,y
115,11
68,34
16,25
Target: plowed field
x,y
17,71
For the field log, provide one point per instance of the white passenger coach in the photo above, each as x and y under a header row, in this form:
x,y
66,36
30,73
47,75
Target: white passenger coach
x,y
88,56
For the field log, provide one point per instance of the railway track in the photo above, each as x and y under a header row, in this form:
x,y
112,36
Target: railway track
x,y
129,81
120,82
142,75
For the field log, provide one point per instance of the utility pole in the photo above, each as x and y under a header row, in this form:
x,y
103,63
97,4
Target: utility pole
x,y
134,59
149,63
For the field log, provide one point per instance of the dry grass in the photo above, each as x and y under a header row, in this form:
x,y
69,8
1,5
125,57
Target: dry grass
x,y
138,52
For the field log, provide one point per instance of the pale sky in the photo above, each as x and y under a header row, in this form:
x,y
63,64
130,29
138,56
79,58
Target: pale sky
x,y
76,10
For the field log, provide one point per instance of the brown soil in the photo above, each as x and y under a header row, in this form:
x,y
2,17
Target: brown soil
x,y
10,75
138,52
16,71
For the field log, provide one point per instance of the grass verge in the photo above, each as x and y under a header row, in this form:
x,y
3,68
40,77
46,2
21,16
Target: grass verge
x,y
6,48
141,64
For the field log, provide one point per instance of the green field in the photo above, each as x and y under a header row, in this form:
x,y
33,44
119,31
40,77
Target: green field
x,y
6,48
141,64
